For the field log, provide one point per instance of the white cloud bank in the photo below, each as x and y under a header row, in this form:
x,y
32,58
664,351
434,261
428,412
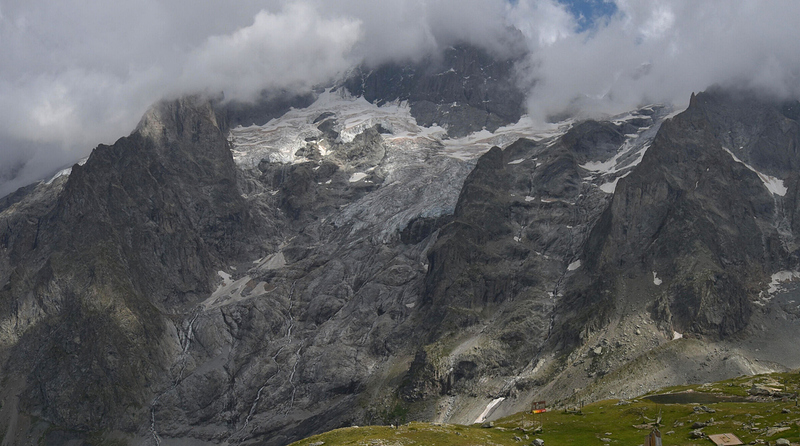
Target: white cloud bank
x,y
662,51
295,49
75,73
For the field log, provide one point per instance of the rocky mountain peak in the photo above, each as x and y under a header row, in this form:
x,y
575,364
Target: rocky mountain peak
x,y
707,224
188,118
759,130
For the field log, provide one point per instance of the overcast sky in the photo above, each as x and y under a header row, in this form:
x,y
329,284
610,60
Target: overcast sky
x,y
75,73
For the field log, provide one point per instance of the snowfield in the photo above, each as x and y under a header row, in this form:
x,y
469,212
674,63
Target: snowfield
x,y
278,140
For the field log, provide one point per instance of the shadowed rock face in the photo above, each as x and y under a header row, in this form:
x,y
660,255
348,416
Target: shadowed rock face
x,y
498,267
464,91
135,234
704,222
268,105
761,132
168,195
689,238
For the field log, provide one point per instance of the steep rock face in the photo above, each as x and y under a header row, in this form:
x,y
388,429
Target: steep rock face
x,y
531,195
685,247
268,105
693,217
496,271
675,276
135,233
591,140
169,194
761,132
315,335
464,91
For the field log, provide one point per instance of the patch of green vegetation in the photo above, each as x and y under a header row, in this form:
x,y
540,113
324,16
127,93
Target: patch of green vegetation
x,y
783,382
610,422
102,439
413,433
398,414
95,438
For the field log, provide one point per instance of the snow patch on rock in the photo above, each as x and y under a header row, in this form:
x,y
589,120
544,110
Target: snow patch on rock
x,y
273,262
609,187
488,410
782,277
65,172
226,278
773,184
358,176
656,280
231,291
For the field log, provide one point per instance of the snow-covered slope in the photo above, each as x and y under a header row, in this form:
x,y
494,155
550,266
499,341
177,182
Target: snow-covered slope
x,y
608,172
278,140
281,140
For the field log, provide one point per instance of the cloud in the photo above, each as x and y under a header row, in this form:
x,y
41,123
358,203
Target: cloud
x,y
543,23
295,49
75,73
397,30
663,51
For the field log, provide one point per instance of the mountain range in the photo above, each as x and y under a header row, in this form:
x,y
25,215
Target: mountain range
x,y
403,244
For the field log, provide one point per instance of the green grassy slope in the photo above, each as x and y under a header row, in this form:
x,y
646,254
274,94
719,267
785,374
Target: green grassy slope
x,y
612,422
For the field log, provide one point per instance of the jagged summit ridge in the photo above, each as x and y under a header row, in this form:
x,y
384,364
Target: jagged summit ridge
x,y
169,121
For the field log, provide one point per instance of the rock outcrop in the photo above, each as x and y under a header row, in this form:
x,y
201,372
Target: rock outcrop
x,y
711,227
133,236
464,90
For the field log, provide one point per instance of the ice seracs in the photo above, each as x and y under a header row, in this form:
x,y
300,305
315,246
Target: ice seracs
x,y
280,139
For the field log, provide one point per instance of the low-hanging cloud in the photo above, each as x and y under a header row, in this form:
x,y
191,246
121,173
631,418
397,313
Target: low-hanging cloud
x,y
662,51
294,49
76,73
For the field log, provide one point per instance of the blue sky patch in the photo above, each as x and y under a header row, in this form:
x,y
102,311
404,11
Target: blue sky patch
x,y
587,12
